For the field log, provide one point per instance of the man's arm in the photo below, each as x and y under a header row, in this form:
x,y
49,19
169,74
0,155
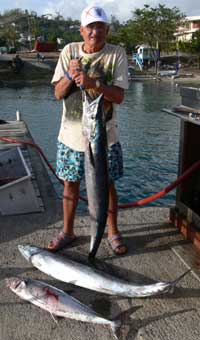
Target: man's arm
x,y
114,94
63,86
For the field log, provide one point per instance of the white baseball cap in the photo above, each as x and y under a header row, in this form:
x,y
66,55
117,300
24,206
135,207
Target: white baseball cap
x,y
93,14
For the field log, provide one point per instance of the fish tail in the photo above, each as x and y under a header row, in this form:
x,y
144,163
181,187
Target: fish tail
x,y
116,327
180,277
171,285
123,318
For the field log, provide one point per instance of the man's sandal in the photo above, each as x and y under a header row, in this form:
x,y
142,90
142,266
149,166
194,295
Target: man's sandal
x,y
60,241
115,243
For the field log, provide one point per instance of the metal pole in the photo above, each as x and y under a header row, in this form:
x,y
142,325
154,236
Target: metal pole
x,y
157,57
29,30
18,115
177,56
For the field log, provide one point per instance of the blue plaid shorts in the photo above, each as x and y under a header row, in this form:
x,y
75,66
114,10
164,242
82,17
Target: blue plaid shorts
x,y
70,163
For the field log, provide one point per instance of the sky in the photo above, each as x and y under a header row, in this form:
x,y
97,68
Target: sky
x,y
121,9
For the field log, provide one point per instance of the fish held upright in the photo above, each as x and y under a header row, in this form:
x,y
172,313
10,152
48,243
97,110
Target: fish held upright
x,y
96,168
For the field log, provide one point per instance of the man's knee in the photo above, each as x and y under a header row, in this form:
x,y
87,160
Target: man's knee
x,y
112,189
71,186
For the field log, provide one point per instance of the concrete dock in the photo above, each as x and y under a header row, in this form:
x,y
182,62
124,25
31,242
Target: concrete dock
x,y
157,252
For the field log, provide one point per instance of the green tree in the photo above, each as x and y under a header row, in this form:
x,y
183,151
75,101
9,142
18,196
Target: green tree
x,y
184,46
115,24
195,43
52,38
10,35
155,25
125,37
12,16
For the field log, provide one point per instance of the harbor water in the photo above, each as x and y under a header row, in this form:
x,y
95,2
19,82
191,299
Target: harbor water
x,y
149,137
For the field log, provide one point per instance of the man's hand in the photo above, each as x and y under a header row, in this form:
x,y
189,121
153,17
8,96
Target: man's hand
x,y
83,80
74,68
111,93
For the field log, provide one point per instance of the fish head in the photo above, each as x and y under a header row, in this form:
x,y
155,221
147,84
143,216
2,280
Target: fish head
x,y
92,117
15,283
27,251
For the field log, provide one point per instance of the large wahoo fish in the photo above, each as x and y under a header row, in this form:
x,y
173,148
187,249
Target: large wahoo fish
x,y
57,302
96,169
81,275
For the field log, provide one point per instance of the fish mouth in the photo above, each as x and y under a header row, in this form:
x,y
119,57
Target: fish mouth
x,y
24,251
27,251
13,282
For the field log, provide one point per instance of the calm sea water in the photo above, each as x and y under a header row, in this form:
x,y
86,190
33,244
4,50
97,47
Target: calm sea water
x,y
149,137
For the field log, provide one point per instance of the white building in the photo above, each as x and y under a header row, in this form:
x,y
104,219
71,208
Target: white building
x,y
189,26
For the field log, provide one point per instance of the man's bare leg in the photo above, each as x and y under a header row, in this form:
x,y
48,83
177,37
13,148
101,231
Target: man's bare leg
x,y
70,201
112,219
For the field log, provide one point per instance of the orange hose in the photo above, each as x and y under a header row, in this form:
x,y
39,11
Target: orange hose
x,y
164,191
143,201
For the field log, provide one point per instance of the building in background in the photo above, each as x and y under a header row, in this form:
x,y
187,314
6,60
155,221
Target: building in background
x,y
144,56
189,26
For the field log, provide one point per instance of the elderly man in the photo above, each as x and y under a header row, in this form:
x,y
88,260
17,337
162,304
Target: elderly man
x,y
97,67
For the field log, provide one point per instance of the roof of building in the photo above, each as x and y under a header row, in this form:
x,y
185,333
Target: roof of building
x,y
193,18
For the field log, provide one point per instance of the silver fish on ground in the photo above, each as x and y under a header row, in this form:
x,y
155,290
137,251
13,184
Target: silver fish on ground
x,y
81,275
96,169
57,302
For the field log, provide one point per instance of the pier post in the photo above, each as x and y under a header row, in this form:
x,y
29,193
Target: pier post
x,y
186,215
18,115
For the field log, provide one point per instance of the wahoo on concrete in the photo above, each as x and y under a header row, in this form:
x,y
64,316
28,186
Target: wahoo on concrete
x,y
57,302
96,168
82,275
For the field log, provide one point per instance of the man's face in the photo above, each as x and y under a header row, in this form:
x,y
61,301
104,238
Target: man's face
x,y
94,34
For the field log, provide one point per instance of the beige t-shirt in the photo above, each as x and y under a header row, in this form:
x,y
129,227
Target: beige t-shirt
x,y
110,66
